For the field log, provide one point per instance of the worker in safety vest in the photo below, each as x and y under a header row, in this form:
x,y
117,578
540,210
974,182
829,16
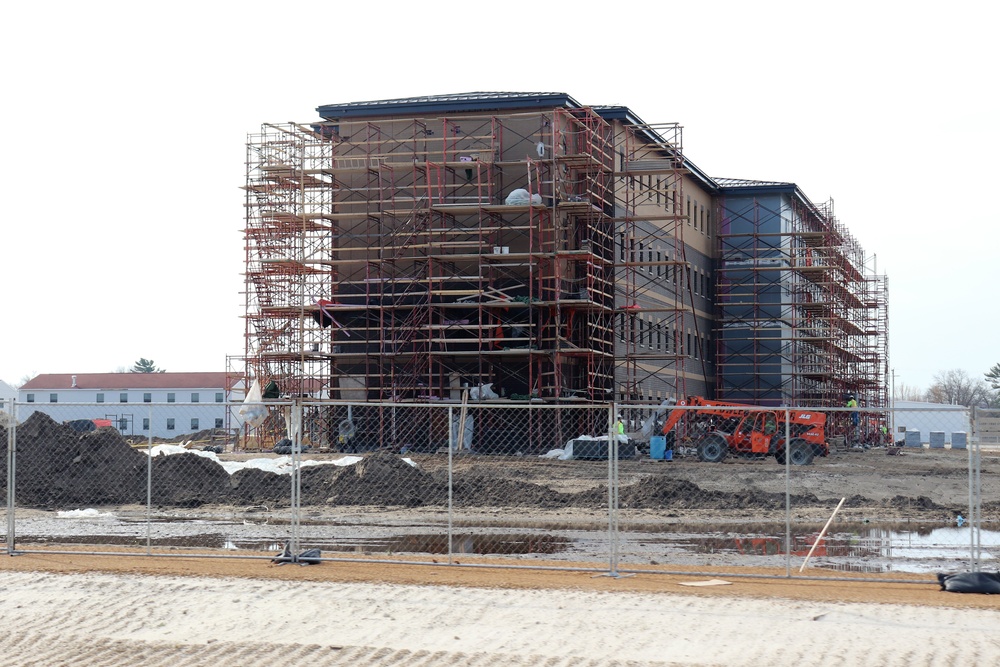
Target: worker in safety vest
x,y
855,417
619,426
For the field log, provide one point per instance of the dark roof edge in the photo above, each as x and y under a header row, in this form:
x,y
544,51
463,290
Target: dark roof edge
x,y
483,101
629,117
736,186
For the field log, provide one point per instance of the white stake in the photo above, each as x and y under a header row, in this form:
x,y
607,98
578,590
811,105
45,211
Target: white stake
x,y
821,534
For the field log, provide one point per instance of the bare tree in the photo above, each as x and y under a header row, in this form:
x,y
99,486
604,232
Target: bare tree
x,y
907,392
956,387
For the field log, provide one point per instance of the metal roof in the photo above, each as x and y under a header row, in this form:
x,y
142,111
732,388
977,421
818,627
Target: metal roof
x,y
474,101
750,183
493,101
123,381
628,117
744,186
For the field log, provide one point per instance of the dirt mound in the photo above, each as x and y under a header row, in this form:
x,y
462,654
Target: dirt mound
x,y
188,480
483,489
661,491
60,468
57,466
253,486
382,478
920,502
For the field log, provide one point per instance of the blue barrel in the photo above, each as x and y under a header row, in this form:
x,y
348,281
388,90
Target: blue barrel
x,y
658,447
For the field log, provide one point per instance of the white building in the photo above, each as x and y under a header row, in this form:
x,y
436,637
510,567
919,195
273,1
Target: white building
x,y
930,417
7,394
162,405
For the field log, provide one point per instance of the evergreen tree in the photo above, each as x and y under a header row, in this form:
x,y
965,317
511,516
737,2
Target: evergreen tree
x,y
145,366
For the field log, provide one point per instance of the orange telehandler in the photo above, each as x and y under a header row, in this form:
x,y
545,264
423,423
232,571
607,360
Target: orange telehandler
x,y
722,428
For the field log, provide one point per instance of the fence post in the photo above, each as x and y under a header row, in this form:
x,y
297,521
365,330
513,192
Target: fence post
x,y
294,433
11,475
451,469
149,485
788,495
612,492
975,495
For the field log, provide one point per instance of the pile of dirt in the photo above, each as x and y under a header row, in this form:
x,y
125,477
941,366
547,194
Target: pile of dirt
x,y
58,467
662,491
482,489
381,478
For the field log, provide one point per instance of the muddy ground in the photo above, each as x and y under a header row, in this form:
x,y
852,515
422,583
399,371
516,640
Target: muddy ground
x,y
58,468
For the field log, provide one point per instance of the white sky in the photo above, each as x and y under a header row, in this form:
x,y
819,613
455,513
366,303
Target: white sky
x,y
126,125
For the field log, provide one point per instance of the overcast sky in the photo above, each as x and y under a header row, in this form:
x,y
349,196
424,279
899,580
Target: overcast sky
x,y
126,123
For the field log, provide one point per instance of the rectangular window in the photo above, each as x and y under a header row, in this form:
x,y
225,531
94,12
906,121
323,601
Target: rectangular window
x,y
31,398
147,397
123,423
53,398
218,422
123,397
145,423
659,266
171,397
170,423
194,397
194,424
100,398
219,397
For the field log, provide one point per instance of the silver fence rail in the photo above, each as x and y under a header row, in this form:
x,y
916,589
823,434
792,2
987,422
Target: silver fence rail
x,y
613,488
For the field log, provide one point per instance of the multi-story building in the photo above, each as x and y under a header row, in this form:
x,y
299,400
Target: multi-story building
x,y
405,249
163,405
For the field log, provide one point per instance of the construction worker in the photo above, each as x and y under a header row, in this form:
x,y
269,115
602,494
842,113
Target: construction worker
x,y
619,426
855,417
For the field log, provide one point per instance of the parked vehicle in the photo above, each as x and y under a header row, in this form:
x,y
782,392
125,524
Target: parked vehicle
x,y
724,429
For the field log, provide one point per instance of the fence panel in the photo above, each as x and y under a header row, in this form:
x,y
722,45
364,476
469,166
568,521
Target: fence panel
x,y
902,497
703,494
696,494
152,477
521,482
462,482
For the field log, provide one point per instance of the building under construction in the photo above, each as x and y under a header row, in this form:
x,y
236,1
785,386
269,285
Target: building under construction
x,y
530,248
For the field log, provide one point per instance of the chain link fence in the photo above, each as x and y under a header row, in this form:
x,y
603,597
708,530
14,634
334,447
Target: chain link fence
x,y
611,488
